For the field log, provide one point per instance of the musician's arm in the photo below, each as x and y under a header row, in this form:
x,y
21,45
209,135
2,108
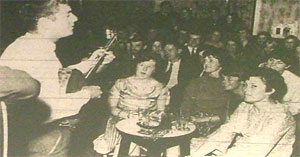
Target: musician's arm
x,y
83,66
86,65
71,103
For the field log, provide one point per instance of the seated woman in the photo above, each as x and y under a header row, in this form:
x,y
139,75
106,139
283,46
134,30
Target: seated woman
x,y
261,126
128,95
205,99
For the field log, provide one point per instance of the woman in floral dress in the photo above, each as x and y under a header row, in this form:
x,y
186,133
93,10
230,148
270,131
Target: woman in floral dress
x,y
129,95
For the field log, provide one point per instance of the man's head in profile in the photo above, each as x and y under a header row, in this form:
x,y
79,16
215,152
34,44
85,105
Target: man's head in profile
x,y
50,19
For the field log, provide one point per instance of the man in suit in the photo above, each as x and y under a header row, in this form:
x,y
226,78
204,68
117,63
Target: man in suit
x,y
193,51
177,74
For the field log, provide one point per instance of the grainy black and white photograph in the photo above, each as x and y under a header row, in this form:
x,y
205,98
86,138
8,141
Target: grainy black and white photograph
x,y
150,78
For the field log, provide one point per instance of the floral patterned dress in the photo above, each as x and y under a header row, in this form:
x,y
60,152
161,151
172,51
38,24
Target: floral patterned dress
x,y
131,96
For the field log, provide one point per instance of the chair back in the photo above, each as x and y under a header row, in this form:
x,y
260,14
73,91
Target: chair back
x,y
3,130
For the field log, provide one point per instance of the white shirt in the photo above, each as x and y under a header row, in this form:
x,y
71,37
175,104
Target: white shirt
x,y
36,56
191,50
173,81
292,97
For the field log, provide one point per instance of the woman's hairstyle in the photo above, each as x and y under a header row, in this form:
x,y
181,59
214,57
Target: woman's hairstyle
x,y
147,56
33,10
273,80
217,53
233,69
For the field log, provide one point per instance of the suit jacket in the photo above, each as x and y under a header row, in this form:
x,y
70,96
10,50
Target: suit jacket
x,y
185,74
193,61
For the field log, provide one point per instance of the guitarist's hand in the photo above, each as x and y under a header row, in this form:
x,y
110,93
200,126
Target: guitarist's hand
x,y
97,54
95,91
109,56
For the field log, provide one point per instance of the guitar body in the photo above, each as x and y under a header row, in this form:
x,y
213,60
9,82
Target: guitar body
x,y
76,81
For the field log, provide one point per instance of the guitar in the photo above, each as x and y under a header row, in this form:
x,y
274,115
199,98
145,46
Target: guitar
x,y
73,80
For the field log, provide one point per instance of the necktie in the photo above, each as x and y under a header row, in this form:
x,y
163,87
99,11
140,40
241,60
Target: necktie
x,y
169,72
193,51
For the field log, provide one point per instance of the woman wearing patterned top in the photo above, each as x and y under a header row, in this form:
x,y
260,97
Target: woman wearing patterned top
x,y
128,95
261,126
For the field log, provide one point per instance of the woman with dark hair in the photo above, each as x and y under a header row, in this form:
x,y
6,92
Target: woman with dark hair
x,y
261,126
205,99
128,95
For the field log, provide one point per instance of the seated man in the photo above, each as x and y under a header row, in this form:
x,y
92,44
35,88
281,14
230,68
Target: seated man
x,y
192,52
15,86
176,75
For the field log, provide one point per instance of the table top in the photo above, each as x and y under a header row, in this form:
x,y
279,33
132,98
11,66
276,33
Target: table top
x,y
130,127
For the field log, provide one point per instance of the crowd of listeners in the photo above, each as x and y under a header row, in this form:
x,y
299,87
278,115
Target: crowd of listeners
x,y
204,64
208,71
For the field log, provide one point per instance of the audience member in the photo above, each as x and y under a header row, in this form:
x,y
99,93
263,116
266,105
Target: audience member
x,y
168,53
193,52
204,98
165,19
229,25
260,126
233,49
281,62
213,20
214,39
177,74
290,45
185,19
233,82
131,94
262,38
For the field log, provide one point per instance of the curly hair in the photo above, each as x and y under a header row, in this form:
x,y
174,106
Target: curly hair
x,y
33,10
217,53
147,56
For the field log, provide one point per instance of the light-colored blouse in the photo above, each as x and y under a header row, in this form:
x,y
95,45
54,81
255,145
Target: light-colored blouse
x,y
133,95
254,131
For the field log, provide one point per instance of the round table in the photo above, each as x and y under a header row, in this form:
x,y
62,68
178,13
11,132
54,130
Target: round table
x,y
129,131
